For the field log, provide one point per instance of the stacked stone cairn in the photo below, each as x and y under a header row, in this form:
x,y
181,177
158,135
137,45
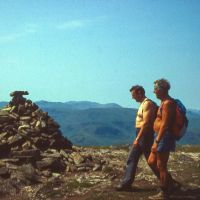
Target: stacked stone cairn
x,y
32,145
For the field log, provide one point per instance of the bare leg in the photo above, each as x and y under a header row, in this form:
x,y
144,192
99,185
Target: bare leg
x,y
152,162
165,177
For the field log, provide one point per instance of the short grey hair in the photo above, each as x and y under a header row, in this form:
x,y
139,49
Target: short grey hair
x,y
162,84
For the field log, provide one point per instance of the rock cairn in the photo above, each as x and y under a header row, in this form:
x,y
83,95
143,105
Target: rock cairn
x,y
32,145
25,130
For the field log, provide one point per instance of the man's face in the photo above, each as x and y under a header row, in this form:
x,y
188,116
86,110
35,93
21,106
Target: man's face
x,y
158,92
136,95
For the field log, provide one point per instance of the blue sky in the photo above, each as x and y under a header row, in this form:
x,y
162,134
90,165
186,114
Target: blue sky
x,y
95,50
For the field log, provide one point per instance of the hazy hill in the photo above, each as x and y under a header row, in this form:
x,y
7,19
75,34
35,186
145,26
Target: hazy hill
x,y
90,123
3,103
95,126
108,124
76,105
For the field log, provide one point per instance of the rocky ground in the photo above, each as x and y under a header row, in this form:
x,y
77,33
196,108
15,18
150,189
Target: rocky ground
x,y
95,173
38,163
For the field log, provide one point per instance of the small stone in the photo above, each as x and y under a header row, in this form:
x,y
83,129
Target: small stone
x,y
64,154
2,135
56,175
81,169
4,172
78,159
46,173
97,167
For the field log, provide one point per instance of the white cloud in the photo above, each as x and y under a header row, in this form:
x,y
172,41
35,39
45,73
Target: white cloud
x,y
11,37
78,23
73,24
30,29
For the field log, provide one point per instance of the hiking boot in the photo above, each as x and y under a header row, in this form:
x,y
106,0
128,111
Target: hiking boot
x,y
123,188
176,185
160,196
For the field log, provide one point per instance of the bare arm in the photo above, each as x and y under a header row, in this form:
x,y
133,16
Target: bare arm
x,y
168,113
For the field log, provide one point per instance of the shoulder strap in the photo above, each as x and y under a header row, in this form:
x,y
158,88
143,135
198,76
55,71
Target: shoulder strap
x,y
150,101
159,112
144,102
161,105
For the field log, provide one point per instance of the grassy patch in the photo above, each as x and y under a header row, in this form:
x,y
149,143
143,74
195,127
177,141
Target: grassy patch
x,y
98,147
76,185
188,148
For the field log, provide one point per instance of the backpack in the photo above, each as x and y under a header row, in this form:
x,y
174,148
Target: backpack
x,y
154,103
180,124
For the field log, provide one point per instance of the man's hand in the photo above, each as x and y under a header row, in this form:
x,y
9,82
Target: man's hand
x,y
154,147
135,143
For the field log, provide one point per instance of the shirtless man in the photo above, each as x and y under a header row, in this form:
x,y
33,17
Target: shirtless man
x,y
144,136
164,141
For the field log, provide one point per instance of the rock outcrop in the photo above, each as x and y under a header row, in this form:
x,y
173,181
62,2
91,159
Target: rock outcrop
x,y
30,140
33,149
25,127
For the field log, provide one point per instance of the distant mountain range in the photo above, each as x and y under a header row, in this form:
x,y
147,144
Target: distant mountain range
x,y
76,105
88,123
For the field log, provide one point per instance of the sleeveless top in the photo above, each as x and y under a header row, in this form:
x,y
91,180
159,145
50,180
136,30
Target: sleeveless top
x,y
139,117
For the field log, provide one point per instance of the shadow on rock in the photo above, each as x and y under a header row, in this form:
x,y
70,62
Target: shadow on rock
x,y
187,194
143,190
